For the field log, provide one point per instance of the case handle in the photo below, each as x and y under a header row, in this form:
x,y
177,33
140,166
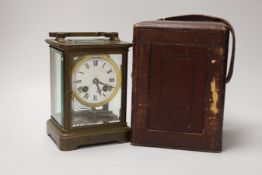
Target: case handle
x,y
60,36
212,19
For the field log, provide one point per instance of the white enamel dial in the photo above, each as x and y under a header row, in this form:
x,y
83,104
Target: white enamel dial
x,y
96,80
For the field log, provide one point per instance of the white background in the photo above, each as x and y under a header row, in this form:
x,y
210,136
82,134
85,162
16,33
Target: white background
x,y
25,101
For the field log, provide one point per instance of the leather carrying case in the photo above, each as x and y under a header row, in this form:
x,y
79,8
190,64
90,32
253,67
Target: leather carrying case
x,y
179,78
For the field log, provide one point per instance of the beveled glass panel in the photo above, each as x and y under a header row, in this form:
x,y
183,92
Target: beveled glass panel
x,y
56,63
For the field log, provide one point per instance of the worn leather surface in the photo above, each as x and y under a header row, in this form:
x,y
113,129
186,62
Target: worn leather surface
x,y
179,77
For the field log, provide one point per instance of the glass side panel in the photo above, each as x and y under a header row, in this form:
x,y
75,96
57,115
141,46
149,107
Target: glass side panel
x,y
56,63
96,84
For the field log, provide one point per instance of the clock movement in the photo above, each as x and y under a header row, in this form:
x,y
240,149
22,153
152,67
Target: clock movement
x,y
88,89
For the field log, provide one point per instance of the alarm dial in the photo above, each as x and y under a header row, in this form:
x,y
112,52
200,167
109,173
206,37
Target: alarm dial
x,y
96,80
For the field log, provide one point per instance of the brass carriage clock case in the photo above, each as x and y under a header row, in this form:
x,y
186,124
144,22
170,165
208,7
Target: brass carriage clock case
x,y
88,89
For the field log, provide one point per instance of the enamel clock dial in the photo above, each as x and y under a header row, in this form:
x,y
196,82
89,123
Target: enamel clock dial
x,y
97,80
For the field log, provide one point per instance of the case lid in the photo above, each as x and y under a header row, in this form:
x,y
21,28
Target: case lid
x,y
199,25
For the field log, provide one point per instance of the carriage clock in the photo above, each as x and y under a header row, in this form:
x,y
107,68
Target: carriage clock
x,y
88,89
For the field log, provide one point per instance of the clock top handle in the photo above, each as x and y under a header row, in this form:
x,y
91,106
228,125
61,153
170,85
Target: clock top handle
x,y
113,36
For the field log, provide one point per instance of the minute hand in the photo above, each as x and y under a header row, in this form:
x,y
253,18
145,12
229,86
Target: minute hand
x,y
98,88
104,84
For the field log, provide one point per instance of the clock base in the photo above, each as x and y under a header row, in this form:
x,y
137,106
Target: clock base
x,y
67,140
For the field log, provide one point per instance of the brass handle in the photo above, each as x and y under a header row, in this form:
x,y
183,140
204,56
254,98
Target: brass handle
x,y
62,35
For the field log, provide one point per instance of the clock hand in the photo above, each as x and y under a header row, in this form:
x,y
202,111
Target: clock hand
x,y
105,84
98,88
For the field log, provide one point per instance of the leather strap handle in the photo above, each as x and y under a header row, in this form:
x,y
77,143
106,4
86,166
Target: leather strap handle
x,y
62,35
212,19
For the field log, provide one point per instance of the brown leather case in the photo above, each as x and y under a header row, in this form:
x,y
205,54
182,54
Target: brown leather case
x,y
179,78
